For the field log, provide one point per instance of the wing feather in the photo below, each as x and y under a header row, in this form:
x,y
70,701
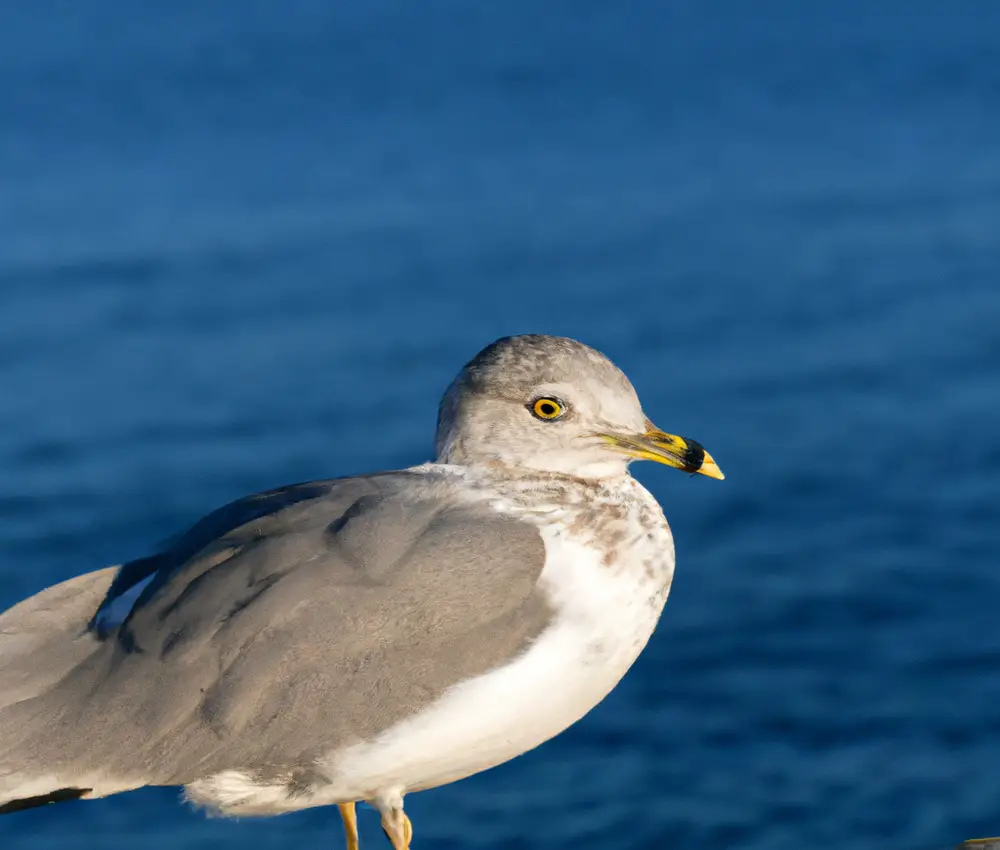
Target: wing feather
x,y
269,636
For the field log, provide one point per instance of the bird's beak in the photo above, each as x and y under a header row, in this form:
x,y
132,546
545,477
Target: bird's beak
x,y
656,445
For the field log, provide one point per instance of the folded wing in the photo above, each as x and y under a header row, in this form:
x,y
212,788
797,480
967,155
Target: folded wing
x,y
275,631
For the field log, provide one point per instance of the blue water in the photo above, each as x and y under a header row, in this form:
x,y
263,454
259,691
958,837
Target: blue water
x,y
248,244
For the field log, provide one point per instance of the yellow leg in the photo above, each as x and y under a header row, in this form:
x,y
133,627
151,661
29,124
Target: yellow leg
x,y
350,818
398,828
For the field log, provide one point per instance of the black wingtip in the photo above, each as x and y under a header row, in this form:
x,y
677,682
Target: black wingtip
x,y
63,795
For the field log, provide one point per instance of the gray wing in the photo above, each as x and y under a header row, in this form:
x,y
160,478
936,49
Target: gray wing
x,y
46,636
249,515
315,623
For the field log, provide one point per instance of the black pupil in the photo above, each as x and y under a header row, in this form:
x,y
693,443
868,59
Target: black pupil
x,y
548,408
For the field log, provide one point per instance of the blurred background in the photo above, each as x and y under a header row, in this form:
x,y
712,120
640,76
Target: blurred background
x,y
246,244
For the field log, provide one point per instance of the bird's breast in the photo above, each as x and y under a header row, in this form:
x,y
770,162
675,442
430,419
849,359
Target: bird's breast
x,y
603,613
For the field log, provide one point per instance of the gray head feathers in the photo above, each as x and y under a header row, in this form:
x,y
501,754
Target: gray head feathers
x,y
487,416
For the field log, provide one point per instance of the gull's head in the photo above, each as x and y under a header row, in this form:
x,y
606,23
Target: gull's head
x,y
552,404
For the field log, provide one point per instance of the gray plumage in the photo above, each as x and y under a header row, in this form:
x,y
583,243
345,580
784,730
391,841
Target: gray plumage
x,y
278,627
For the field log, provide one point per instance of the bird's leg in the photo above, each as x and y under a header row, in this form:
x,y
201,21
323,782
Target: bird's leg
x,y
350,818
395,823
398,828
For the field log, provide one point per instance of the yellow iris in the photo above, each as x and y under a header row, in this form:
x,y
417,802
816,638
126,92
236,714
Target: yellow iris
x,y
547,408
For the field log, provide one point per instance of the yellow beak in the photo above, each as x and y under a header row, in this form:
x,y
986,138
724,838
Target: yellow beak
x,y
671,450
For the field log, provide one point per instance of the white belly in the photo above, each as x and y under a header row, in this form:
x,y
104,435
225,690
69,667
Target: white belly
x,y
605,617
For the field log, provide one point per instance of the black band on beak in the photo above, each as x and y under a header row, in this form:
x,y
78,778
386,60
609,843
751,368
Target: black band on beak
x,y
694,456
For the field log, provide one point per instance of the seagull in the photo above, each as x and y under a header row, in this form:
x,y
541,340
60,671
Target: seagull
x,y
358,639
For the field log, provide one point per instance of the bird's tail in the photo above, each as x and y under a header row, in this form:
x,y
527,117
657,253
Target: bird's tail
x,y
42,639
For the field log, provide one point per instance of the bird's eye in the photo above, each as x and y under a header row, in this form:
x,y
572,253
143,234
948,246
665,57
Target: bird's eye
x,y
547,408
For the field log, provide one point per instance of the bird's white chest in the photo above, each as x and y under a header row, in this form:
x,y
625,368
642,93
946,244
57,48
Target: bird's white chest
x,y
604,614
